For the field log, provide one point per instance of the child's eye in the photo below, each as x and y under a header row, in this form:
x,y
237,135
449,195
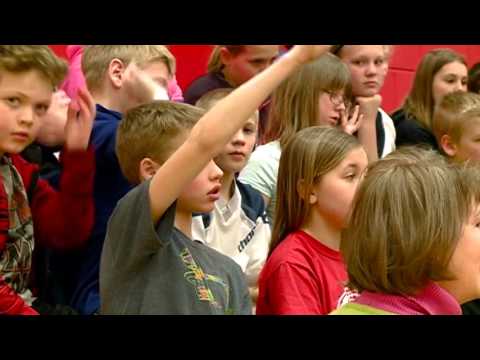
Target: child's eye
x,y
248,131
41,109
13,101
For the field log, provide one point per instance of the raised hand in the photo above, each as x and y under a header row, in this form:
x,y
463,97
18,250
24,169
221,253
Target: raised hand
x,y
351,123
80,116
145,88
52,131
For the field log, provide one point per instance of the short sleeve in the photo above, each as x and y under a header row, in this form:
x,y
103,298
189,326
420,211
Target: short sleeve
x,y
131,232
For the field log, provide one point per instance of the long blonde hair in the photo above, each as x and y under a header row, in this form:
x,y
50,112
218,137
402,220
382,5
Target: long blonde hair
x,y
419,104
295,103
310,154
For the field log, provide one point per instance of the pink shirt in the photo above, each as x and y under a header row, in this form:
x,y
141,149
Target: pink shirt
x,y
432,300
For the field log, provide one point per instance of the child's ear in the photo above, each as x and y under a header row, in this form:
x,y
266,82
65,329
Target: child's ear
x,y
116,69
448,146
148,168
225,55
310,196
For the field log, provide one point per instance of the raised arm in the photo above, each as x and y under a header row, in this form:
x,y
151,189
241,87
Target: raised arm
x,y
217,127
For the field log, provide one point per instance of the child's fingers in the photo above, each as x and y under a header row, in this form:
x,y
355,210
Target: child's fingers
x,y
355,114
343,118
71,113
88,104
360,121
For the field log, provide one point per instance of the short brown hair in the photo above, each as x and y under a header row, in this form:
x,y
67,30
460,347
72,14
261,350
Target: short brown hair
x,y
454,113
474,78
147,131
96,59
21,58
408,216
209,99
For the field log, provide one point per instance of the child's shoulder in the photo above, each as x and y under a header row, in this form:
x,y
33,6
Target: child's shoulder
x,y
135,201
25,169
297,248
203,84
252,202
265,157
271,149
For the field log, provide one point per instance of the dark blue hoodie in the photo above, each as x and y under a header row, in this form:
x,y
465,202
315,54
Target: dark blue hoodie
x,y
110,187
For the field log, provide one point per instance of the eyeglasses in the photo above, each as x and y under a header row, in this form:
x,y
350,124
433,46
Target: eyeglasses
x,y
338,99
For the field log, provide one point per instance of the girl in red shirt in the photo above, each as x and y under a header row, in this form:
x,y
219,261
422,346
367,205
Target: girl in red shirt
x,y
319,172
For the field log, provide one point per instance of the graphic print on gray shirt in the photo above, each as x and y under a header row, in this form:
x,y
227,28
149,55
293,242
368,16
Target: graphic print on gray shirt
x,y
160,271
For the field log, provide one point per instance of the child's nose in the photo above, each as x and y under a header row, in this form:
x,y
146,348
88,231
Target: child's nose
x,y
25,116
239,139
215,172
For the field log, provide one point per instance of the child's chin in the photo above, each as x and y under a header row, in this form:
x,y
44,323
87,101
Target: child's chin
x,y
205,208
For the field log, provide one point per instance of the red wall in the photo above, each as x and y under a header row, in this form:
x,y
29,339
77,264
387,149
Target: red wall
x,y
192,61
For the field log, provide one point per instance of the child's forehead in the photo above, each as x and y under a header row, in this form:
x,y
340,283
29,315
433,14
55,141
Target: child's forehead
x,y
30,83
471,126
255,117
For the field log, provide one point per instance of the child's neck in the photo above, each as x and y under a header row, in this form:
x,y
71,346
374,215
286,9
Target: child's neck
x,y
227,189
183,222
108,101
226,76
323,231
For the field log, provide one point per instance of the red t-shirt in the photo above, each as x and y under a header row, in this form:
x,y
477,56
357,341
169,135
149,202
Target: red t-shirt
x,y
301,277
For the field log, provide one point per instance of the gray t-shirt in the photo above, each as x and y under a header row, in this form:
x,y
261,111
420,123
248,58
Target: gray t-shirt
x,y
158,270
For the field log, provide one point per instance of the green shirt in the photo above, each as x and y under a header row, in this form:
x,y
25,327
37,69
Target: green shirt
x,y
358,309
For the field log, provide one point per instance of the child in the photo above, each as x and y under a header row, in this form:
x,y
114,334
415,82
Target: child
x,y
368,65
238,225
150,265
50,139
318,94
120,77
456,126
61,220
474,79
319,172
412,246
76,80
440,72
230,66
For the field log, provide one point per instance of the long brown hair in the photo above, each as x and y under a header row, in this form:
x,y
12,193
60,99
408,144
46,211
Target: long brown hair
x,y
419,104
310,154
294,103
407,218
215,62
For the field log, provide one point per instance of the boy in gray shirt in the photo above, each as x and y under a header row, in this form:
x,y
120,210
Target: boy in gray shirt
x,y
150,264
